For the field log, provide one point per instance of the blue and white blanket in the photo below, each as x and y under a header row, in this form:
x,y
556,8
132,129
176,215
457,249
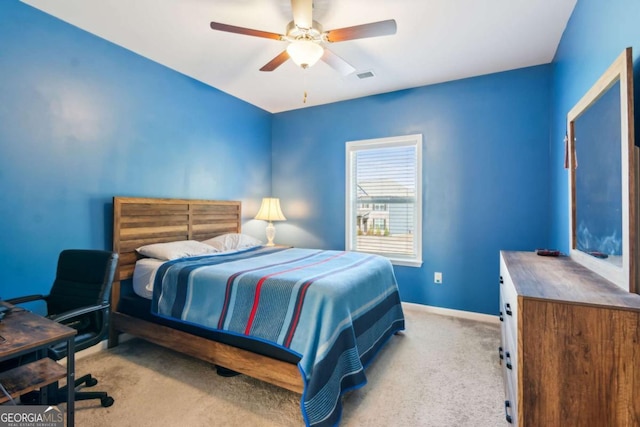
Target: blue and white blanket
x,y
335,310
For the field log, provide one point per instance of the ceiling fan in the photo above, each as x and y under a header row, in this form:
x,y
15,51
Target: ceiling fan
x,y
306,38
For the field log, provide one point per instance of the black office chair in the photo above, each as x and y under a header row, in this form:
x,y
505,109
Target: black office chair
x,y
79,298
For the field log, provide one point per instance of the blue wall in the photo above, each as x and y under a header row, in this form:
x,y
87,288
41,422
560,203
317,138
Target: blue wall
x,y
596,35
82,120
485,175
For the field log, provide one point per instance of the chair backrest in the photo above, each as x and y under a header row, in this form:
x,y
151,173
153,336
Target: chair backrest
x,y
83,278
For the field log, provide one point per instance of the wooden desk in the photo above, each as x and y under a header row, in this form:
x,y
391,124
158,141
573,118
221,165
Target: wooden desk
x,y
23,332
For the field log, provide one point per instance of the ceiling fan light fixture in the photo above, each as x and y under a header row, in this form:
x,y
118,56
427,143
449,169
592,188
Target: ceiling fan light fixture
x,y
305,53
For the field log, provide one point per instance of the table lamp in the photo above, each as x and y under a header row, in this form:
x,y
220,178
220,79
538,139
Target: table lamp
x,y
270,211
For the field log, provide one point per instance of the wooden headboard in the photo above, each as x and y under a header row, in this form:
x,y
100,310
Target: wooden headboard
x,y
141,221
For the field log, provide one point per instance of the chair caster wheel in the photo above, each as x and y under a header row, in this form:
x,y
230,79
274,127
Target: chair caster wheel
x,y
106,401
91,382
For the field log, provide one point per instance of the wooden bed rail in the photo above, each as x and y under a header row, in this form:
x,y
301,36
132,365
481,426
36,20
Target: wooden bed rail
x,y
273,371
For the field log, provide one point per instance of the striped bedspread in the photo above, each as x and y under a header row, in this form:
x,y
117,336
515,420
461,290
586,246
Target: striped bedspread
x,y
335,310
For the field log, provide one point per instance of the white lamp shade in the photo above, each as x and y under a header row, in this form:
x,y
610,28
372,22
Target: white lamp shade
x,y
270,210
304,53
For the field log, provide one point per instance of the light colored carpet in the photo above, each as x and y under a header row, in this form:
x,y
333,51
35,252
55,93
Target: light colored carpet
x,y
441,371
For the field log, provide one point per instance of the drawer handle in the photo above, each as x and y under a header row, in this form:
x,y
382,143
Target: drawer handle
x,y
508,357
507,405
501,318
507,309
500,353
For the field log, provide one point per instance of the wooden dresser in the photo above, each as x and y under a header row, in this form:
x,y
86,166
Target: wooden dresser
x,y
570,346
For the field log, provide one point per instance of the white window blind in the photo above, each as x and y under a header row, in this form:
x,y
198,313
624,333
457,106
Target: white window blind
x,y
384,198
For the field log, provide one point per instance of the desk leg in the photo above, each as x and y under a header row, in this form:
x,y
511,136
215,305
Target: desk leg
x,y
44,391
71,390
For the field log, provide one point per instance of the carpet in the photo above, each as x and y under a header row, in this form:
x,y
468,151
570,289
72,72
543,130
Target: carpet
x,y
441,371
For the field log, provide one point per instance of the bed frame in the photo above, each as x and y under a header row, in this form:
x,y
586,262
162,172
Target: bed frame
x,y
141,221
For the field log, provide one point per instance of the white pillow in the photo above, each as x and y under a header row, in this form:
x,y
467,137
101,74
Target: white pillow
x,y
173,250
232,241
144,276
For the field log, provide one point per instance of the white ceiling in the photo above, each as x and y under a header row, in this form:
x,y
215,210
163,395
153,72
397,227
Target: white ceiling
x,y
436,41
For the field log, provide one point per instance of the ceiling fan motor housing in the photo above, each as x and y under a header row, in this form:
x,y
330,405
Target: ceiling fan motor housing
x,y
296,33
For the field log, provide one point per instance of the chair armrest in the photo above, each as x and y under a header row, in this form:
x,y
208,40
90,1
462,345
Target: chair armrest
x,y
78,312
27,298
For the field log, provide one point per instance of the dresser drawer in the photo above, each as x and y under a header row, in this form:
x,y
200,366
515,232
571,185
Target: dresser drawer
x,y
509,375
508,304
511,401
510,298
508,343
503,326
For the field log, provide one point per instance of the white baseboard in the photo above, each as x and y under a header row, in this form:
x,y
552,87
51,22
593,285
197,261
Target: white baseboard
x,y
102,345
479,317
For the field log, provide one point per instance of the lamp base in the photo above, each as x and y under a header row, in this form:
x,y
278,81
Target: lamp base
x,y
271,233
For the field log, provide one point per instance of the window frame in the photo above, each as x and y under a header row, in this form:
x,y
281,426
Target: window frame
x,y
351,147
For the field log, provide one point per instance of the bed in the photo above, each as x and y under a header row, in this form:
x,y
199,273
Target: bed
x,y
228,310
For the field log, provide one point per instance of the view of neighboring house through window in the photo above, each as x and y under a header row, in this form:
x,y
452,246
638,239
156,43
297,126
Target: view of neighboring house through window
x,y
384,198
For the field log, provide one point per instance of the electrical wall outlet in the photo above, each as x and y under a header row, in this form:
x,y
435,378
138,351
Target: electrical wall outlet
x,y
437,277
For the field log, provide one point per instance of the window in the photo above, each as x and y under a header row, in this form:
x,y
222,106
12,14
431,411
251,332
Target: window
x,y
384,198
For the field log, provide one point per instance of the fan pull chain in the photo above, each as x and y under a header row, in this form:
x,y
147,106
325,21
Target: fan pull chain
x,y
304,85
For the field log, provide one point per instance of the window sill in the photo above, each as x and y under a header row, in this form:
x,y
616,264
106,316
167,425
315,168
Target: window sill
x,y
417,263
406,262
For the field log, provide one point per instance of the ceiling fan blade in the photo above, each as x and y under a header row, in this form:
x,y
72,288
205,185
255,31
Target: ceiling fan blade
x,y
302,13
246,31
374,29
337,63
276,62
